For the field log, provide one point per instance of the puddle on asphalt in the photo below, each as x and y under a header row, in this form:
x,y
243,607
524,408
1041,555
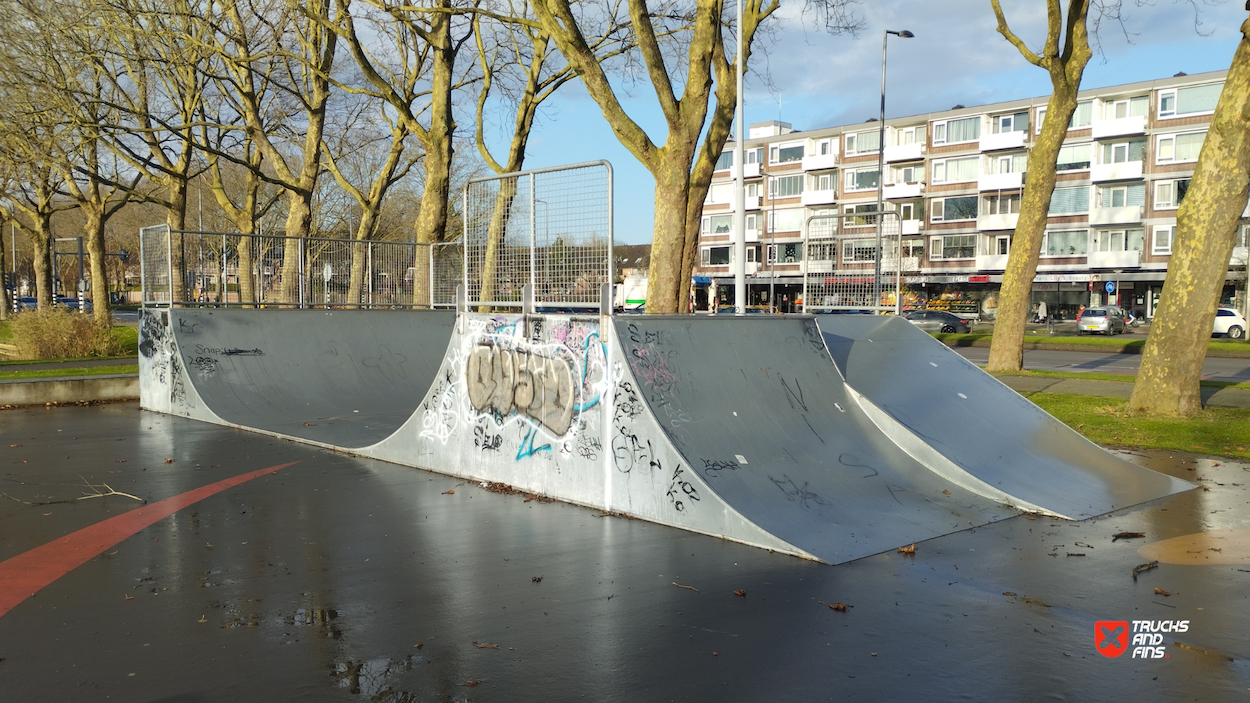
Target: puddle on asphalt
x,y
1207,526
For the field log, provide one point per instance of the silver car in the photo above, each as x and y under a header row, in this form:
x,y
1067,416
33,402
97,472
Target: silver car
x,y
1105,319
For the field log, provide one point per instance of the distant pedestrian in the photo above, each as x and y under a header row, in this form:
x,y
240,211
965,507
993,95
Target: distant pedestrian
x,y
1041,311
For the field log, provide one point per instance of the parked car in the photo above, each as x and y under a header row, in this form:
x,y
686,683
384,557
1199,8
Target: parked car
x,y
72,303
937,321
1230,323
27,302
1104,319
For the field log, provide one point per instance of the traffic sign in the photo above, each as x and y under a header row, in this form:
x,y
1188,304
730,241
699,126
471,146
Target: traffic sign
x,y
1110,286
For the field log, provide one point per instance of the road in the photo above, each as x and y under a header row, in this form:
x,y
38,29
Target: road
x,y
1237,370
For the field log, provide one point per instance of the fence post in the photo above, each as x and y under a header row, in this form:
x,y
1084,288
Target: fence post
x,y
533,241
299,245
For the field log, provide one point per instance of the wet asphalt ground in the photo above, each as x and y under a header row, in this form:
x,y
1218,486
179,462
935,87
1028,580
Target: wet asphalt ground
x,y
345,579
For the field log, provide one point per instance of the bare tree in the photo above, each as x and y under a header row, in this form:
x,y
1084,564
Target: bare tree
x,y
682,167
1206,228
1063,56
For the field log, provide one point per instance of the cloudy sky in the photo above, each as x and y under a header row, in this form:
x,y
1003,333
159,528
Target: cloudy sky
x,y
817,80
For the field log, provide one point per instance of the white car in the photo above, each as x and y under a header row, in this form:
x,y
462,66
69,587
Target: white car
x,y
1230,323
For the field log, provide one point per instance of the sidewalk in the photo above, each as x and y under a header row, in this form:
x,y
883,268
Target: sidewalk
x,y
1211,397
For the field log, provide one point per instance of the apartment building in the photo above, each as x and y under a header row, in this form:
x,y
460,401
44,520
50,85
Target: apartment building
x,y
955,178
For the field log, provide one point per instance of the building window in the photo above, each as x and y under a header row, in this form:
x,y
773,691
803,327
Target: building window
x,y
785,154
785,186
1009,163
785,253
1002,204
716,256
1163,235
1070,243
1170,194
967,129
1124,152
952,209
953,246
956,170
725,161
822,147
863,143
754,156
909,135
861,179
859,250
1018,122
912,173
785,220
1069,201
822,251
1081,117
865,219
1119,239
1126,107
1121,195
1194,100
821,181
752,221
910,211
1075,157
1178,148
718,224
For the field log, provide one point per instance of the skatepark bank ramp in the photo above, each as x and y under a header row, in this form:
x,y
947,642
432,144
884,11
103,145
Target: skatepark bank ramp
x,y
827,438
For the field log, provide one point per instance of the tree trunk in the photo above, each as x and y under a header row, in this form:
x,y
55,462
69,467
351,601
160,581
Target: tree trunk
x,y
431,225
1206,226
298,225
500,215
1007,345
5,302
176,218
93,232
665,285
41,238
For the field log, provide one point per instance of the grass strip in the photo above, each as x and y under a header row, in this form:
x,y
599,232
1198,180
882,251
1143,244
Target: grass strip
x,y
1118,377
71,371
1217,431
1098,342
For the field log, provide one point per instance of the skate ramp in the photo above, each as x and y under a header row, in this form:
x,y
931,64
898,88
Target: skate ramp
x,y
343,378
759,411
934,401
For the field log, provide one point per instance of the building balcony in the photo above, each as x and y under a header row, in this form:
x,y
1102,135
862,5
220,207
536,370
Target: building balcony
x,y
819,162
992,262
752,268
894,191
1127,215
819,266
889,264
1118,128
1000,181
987,223
753,235
1114,259
904,152
750,170
1115,172
1002,140
819,197
912,226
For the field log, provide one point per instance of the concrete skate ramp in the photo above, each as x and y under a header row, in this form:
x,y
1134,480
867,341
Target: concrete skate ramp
x,y
969,417
348,378
757,408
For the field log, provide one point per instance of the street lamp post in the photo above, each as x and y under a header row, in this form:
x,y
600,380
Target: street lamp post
x,y
876,281
739,216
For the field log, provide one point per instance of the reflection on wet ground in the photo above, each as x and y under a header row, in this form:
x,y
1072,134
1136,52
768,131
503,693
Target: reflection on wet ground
x,y
342,579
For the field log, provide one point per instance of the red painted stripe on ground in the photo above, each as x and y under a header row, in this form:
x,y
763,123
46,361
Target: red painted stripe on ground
x,y
25,574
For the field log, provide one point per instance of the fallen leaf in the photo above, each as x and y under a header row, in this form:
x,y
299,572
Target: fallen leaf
x,y
471,684
46,514
716,654
309,424
125,597
1009,593
418,645
447,493
946,491
1127,535
486,645
688,588
1162,592
840,607
169,461
15,445
909,549
203,618
740,594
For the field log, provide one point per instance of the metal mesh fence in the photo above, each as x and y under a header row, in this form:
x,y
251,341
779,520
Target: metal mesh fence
x,y
840,262
222,268
550,229
154,265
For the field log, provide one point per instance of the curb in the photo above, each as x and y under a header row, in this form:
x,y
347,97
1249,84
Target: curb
x,y
41,391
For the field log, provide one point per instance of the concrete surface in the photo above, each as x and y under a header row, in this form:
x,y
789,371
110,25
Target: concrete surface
x,y
319,582
70,389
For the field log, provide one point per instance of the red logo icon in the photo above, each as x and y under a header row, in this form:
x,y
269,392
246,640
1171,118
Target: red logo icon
x,y
1111,637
